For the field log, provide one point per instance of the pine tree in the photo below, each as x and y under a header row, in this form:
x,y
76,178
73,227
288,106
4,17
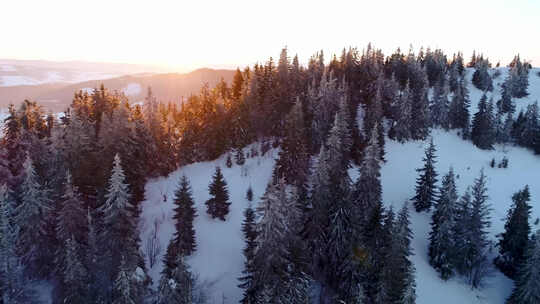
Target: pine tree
x,y
480,223
278,214
239,157
461,234
402,286
482,132
294,158
74,274
98,284
367,189
218,204
249,194
123,288
514,239
421,119
458,113
183,242
426,183
506,103
368,208
471,235
331,222
440,106
14,287
118,222
15,147
247,278
228,162
527,285
71,222
179,286
481,78
401,131
442,222
31,216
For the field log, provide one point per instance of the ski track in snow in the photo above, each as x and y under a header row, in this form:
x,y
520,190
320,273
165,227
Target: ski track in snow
x,y
219,258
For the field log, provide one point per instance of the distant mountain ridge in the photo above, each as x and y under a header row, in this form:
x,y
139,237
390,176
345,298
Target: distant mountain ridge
x,y
166,86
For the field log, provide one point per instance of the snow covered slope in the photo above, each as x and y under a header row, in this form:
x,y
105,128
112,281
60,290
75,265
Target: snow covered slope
x,y
219,260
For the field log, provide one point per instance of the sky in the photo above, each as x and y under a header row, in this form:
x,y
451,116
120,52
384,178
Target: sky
x,y
184,35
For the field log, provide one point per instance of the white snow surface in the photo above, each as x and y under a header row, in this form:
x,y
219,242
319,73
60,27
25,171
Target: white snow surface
x,y
218,259
132,89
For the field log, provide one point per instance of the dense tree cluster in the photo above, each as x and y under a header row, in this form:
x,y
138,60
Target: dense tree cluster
x,y
459,242
71,186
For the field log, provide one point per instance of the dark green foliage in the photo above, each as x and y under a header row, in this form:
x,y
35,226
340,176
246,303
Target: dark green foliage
x,y
239,157
527,285
481,78
458,113
228,162
441,237
426,182
249,194
482,131
513,241
218,204
247,278
183,242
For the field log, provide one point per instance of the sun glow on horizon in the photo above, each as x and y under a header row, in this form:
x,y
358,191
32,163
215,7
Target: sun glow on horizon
x,y
184,35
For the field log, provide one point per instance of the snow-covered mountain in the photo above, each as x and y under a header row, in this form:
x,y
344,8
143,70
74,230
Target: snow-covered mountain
x,y
218,259
36,72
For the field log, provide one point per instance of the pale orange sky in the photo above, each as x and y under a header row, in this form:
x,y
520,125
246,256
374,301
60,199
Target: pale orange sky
x,y
184,35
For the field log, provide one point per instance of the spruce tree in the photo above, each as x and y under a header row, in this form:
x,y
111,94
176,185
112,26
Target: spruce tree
x,y
514,239
440,105
123,285
184,214
426,183
183,242
401,130
179,286
74,274
293,161
14,287
482,132
442,222
367,191
458,113
481,78
478,230
118,223
15,148
471,243
331,225
461,234
527,285
71,223
218,204
278,213
31,217
402,286
239,157
98,284
228,162
247,278
368,214
249,194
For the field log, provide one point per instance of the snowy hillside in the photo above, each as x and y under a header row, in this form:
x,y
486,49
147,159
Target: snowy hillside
x,y
219,261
